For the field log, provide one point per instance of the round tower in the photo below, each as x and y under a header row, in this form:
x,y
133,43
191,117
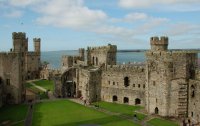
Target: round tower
x,y
37,44
159,44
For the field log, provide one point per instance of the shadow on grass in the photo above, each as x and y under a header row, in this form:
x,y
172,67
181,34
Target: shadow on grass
x,y
95,122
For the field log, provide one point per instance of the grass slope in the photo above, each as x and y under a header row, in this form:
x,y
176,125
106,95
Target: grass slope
x,y
48,85
14,113
42,94
124,109
161,122
67,113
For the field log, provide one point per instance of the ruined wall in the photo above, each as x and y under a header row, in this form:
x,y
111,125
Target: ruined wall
x,y
115,89
102,55
194,100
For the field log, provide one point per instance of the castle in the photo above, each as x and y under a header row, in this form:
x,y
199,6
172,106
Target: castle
x,y
167,84
17,66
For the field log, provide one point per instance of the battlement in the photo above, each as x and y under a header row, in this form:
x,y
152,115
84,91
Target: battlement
x,y
109,47
19,35
127,67
159,41
36,39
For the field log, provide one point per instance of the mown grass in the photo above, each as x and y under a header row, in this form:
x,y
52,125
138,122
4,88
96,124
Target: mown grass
x,y
13,113
123,109
67,113
161,122
46,84
37,91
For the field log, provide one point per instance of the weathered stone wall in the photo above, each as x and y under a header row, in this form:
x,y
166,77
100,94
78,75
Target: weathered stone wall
x,y
194,100
11,72
32,61
113,84
167,74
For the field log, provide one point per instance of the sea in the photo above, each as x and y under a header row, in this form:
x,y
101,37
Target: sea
x,y
123,57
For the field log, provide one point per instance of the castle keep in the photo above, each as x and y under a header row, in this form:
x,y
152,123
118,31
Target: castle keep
x,y
167,84
16,66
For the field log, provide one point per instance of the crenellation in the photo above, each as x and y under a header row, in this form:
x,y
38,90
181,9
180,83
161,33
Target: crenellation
x,y
19,35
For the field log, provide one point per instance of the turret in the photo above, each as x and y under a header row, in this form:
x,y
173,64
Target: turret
x,y
20,42
82,54
37,44
159,44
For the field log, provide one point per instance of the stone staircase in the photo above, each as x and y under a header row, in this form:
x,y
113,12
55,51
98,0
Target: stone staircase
x,y
182,100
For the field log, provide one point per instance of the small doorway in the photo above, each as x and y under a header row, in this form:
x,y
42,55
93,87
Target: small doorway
x,y
156,110
114,98
137,101
126,100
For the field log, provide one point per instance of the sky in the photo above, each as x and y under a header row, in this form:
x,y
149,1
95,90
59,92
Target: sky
x,y
73,24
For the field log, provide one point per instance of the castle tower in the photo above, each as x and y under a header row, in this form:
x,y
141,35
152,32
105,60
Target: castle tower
x,y
158,77
82,54
159,44
37,45
20,42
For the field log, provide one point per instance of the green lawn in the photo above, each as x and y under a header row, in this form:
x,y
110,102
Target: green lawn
x,y
161,122
67,113
124,109
13,113
42,94
48,85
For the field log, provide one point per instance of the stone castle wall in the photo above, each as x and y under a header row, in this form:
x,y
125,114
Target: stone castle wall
x,y
194,100
115,89
11,72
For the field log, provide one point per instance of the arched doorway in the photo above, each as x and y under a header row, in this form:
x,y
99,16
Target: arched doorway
x,y
137,101
126,100
114,98
156,110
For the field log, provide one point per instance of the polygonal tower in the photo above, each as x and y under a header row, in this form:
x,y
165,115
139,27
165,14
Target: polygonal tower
x,y
20,42
159,44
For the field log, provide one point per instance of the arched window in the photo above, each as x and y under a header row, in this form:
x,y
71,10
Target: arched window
x,y
114,98
192,91
137,101
126,81
156,110
97,61
126,100
93,60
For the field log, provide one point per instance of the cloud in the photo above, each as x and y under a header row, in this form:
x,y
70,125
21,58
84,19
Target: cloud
x,y
13,14
68,13
157,3
24,3
180,29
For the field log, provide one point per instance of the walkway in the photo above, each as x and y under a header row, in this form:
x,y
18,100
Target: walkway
x,y
28,120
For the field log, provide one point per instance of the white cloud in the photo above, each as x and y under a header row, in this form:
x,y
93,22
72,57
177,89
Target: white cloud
x,y
180,29
156,3
24,3
68,13
13,14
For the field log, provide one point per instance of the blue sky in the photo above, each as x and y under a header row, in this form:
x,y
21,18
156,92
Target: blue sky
x,y
70,24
